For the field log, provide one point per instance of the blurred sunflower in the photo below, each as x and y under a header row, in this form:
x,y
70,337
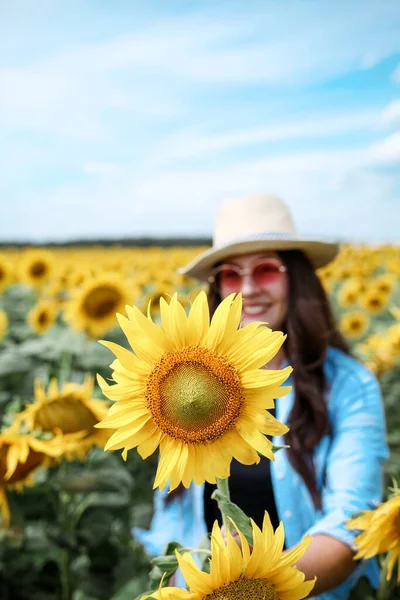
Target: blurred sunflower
x,y
195,389
153,296
93,307
36,267
374,301
20,456
380,533
393,265
262,572
349,292
79,275
3,324
353,325
343,271
70,411
42,316
393,340
384,283
6,273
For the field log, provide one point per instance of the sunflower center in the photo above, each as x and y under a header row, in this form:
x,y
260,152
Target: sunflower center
x,y
355,325
243,589
38,269
101,302
43,318
194,395
66,413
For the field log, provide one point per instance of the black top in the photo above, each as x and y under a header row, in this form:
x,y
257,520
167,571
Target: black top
x,y
250,488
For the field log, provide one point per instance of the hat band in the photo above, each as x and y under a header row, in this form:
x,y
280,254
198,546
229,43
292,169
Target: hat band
x,y
266,235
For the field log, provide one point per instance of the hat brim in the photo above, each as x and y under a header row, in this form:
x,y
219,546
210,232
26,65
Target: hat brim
x,y
319,254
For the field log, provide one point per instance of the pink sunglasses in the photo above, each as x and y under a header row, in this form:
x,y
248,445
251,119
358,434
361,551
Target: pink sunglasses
x,y
263,273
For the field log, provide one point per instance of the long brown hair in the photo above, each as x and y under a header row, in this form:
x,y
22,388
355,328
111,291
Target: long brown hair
x,y
310,328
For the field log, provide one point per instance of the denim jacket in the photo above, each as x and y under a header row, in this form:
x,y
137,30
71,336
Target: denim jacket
x,y
349,467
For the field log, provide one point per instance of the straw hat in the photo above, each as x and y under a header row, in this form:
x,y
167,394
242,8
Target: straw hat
x,y
256,223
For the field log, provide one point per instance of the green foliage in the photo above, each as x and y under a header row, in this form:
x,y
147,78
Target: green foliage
x,y
232,511
72,532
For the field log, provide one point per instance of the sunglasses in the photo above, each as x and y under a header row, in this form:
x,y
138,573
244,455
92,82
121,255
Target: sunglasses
x,y
263,274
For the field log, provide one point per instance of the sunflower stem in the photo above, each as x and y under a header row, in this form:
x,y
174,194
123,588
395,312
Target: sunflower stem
x,y
65,368
223,486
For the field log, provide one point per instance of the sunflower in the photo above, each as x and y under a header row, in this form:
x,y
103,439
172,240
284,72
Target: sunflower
x,y
384,283
353,325
6,274
42,316
93,307
380,533
70,411
393,340
153,296
36,267
20,456
3,324
349,292
194,389
374,301
260,573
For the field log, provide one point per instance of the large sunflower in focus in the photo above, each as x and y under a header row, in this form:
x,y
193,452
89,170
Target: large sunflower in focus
x,y
20,456
93,307
260,573
70,411
380,533
36,267
194,389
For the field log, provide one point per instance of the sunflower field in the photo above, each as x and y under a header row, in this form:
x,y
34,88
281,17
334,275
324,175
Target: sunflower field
x,y
67,507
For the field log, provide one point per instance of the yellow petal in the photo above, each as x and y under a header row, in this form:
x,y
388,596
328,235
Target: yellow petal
x,y
140,343
198,320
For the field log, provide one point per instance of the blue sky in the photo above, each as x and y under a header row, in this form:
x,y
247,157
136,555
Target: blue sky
x,y
133,118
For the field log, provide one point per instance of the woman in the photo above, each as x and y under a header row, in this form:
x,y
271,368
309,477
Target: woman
x,y
333,468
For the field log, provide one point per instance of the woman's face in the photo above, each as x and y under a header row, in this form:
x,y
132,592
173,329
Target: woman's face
x,y
264,288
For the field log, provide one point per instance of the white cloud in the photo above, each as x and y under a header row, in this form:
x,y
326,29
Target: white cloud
x,y
396,75
192,143
156,72
391,115
103,169
387,151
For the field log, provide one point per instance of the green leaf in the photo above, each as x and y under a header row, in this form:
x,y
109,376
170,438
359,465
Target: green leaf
x,y
166,571
156,574
229,509
12,362
171,547
165,563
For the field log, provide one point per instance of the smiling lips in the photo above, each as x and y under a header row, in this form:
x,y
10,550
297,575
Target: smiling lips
x,y
252,310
